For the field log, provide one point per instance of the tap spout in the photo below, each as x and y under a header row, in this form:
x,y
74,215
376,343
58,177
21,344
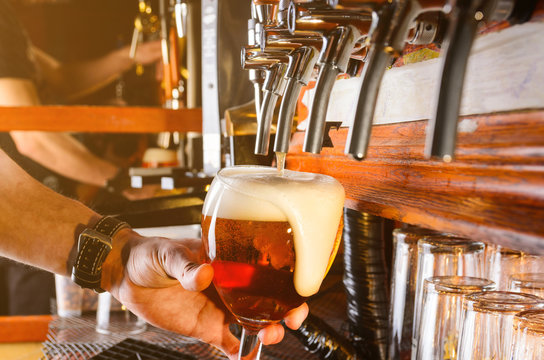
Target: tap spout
x,y
285,117
377,61
442,127
273,87
313,139
299,72
464,18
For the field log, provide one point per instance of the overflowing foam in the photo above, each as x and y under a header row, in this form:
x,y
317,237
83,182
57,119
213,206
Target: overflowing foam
x,y
311,203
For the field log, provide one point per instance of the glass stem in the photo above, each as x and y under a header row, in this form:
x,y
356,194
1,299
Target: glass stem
x,y
250,345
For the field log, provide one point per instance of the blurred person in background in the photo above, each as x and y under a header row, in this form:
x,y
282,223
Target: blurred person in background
x,y
28,74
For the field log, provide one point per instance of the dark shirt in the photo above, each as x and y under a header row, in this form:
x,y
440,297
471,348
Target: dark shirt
x,y
25,290
15,55
16,61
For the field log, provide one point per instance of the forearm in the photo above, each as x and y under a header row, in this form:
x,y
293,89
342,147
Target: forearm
x,y
37,225
64,155
78,79
73,80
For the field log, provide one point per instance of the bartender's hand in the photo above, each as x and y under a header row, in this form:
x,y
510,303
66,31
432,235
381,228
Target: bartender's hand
x,y
165,282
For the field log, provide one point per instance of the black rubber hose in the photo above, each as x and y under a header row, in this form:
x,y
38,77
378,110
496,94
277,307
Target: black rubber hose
x,y
366,283
321,339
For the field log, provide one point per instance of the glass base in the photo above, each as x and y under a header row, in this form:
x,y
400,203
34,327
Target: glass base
x,y
121,323
254,325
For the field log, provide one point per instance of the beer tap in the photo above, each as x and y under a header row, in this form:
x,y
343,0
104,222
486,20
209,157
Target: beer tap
x,y
393,22
256,76
464,18
273,61
341,32
299,71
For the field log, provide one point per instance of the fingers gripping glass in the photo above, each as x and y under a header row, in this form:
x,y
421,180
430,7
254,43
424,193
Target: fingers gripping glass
x,y
270,237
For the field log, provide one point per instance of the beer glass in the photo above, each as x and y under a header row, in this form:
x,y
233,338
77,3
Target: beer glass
x,y
444,255
441,317
502,262
488,323
528,335
270,237
529,283
403,288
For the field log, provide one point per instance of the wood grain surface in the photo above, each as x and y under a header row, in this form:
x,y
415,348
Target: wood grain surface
x,y
492,191
24,328
101,119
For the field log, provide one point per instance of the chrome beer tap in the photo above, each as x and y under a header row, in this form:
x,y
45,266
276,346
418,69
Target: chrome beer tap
x,y
341,32
299,71
464,18
273,61
256,76
394,21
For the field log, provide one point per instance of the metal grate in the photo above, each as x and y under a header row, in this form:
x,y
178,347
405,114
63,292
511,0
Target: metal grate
x,y
131,349
76,338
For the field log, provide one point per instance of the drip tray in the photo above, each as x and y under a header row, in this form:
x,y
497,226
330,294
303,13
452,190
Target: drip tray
x,y
132,349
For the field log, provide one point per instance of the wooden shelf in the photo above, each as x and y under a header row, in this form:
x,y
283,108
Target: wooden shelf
x,y
100,119
24,328
493,191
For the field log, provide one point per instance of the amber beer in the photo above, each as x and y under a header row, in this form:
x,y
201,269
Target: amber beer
x,y
254,267
251,244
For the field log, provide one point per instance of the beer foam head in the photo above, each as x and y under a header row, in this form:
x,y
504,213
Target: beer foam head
x,y
312,203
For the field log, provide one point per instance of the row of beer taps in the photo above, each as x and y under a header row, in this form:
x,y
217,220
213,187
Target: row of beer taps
x,y
288,39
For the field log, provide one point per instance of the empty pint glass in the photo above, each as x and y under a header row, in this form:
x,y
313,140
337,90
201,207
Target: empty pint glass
x,y
270,237
528,335
488,319
529,283
403,288
502,262
441,317
444,256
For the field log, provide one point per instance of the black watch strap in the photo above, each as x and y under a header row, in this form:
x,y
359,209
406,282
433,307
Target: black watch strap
x,y
93,247
108,225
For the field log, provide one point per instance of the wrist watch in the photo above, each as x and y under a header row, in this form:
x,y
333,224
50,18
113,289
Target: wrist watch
x,y
94,245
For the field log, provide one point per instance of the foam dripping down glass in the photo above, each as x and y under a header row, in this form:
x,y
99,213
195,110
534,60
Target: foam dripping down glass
x,y
271,237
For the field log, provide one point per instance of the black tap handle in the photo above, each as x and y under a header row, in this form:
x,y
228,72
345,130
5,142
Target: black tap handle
x,y
442,129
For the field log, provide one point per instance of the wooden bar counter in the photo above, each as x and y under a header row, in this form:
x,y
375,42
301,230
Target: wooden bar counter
x,y
492,191
21,337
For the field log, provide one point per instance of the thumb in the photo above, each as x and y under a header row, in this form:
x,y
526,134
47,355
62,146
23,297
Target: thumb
x,y
179,262
196,277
